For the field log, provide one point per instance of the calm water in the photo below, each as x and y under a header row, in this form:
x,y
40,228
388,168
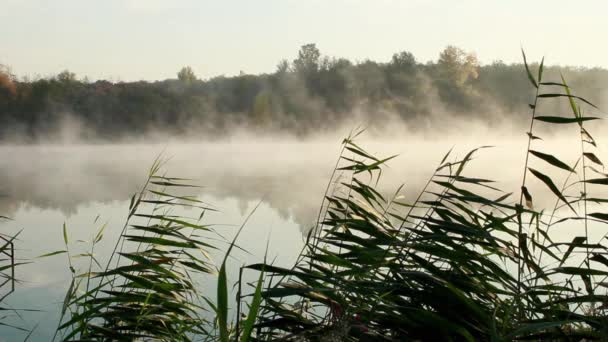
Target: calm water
x,y
45,186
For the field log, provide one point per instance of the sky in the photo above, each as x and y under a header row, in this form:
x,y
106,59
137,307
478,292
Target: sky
x,y
128,40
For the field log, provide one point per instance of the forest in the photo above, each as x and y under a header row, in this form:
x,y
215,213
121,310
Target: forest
x,y
312,93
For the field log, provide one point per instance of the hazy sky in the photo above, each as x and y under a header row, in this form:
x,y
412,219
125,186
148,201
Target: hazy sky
x,y
152,39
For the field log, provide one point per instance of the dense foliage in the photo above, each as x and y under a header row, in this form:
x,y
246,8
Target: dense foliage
x,y
309,94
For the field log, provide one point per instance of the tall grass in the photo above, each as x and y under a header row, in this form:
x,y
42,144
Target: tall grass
x,y
147,288
463,261
7,263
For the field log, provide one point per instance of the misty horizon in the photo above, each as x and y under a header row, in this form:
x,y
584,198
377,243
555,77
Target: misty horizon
x,y
6,66
152,39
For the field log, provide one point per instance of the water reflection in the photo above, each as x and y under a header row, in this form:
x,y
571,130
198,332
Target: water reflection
x,y
290,176
63,178
43,186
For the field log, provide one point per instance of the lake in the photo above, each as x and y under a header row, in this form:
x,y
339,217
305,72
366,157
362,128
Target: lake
x,y
86,186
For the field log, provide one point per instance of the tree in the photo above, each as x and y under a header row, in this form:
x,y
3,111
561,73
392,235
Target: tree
x,y
66,76
262,109
456,71
307,67
371,81
283,67
402,78
8,93
308,59
403,61
337,84
186,75
458,66
7,86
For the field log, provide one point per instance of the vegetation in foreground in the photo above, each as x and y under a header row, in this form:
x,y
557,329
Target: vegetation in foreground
x,y
463,262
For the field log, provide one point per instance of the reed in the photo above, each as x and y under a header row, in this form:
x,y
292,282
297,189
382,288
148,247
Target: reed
x,y
464,261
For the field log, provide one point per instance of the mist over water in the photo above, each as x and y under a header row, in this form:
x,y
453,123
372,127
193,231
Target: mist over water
x,y
289,174
45,185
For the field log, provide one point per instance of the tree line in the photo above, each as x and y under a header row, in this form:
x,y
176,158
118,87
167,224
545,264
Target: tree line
x,y
311,93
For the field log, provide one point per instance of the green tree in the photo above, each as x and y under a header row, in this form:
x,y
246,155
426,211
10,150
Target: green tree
x,y
456,71
401,72
186,75
308,60
262,109
370,81
403,61
66,76
283,67
457,66
307,67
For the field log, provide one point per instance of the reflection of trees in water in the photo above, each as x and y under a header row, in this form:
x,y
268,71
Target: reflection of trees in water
x,y
290,177
65,178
